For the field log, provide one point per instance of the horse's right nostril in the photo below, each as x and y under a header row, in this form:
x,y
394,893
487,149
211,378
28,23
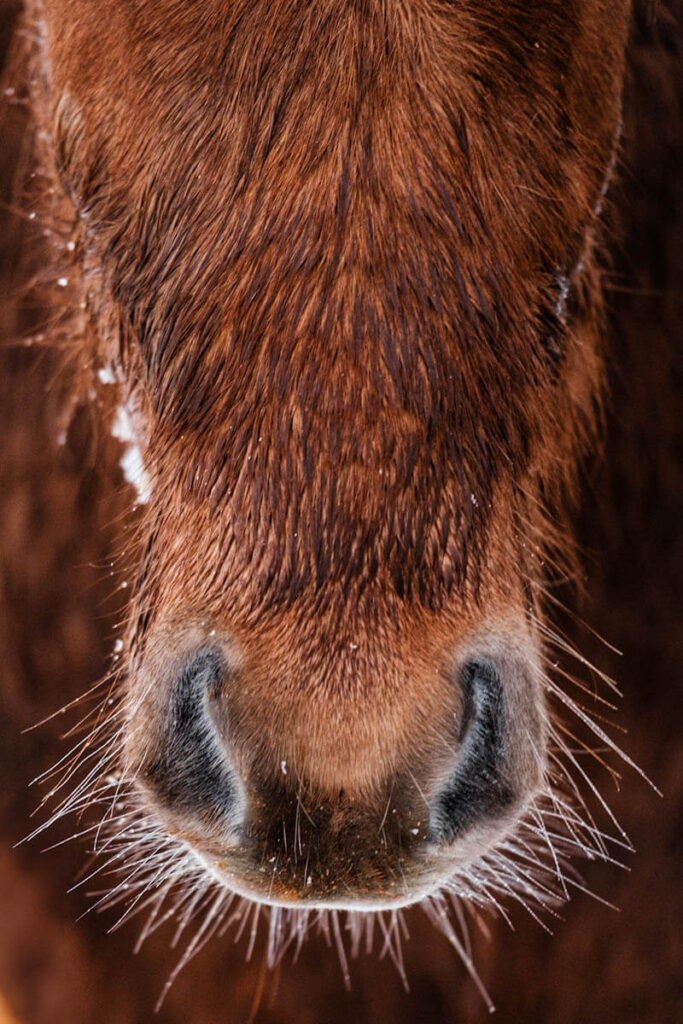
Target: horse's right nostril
x,y
187,769
478,787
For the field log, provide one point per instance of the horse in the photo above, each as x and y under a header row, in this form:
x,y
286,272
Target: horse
x,y
333,276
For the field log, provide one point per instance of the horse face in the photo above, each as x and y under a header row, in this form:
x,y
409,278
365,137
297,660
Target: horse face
x,y
340,258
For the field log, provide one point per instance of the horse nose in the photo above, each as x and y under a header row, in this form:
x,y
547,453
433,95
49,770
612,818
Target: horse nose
x,y
270,837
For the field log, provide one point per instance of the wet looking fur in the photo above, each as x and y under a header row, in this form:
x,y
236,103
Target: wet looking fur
x,y
341,261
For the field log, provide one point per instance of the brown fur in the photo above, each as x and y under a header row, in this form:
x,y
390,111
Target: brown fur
x,y
331,293
265,607
334,290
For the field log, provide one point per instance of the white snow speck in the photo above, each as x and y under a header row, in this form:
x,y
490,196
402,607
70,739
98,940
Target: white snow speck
x,y
283,767
563,290
106,375
131,461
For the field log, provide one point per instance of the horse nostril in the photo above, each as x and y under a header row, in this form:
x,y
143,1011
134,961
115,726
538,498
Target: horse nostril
x,y
478,788
188,770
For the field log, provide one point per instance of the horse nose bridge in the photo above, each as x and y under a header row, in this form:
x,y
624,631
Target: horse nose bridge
x,y
339,714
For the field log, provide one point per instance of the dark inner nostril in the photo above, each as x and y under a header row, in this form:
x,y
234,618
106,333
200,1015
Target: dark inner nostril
x,y
468,709
476,788
190,771
202,676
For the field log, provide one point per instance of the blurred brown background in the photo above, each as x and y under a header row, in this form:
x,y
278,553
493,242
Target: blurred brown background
x,y
58,530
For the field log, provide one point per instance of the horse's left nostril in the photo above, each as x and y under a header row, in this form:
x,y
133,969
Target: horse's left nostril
x,y
187,769
479,786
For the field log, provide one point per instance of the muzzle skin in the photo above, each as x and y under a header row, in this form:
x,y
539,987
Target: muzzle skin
x,y
268,835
